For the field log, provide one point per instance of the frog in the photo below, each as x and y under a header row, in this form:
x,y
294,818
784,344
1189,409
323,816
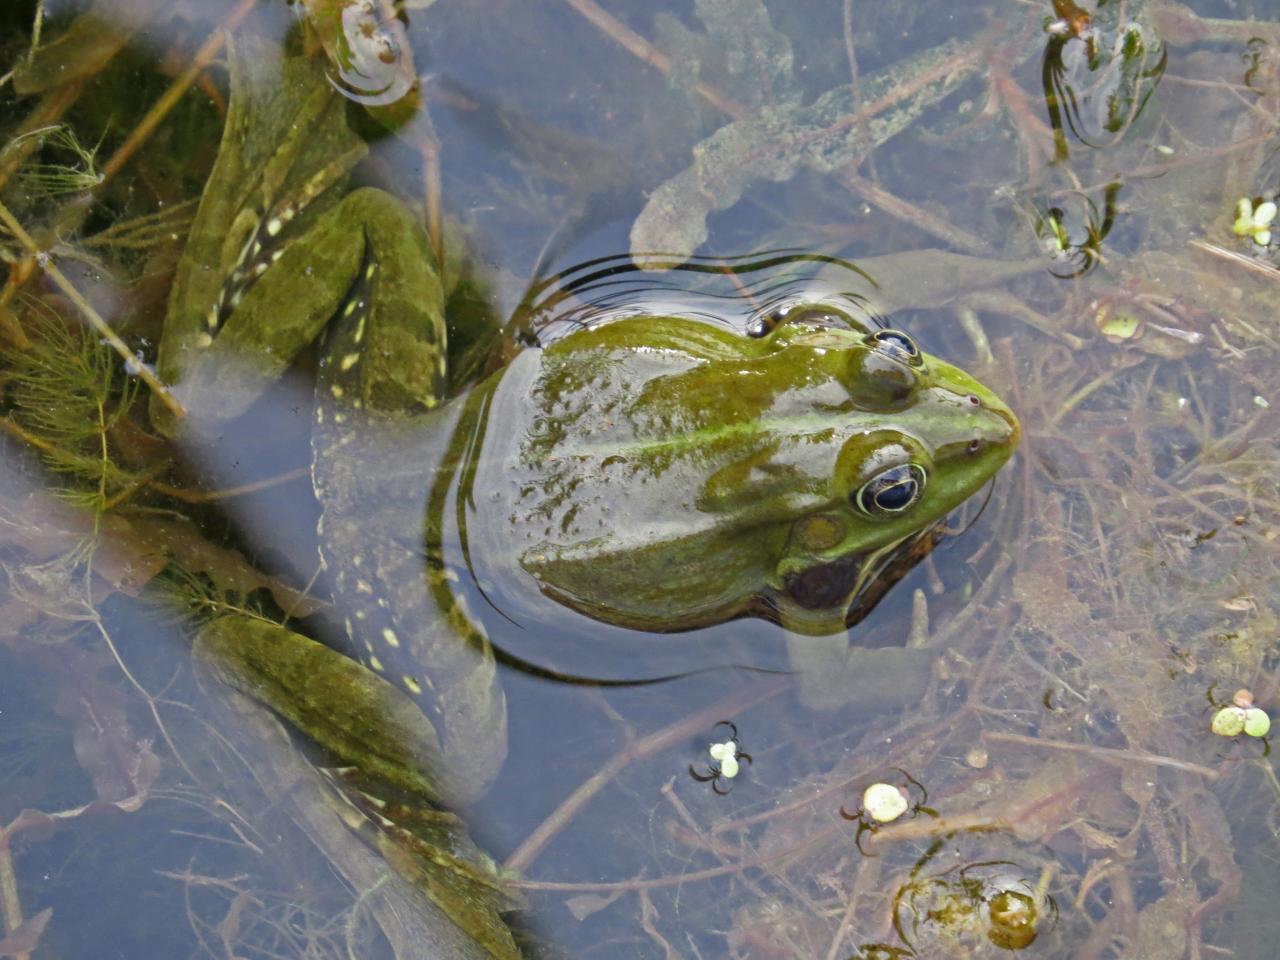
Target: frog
x,y
655,473
1099,70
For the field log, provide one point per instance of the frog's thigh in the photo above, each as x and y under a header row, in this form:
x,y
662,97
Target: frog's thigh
x,y
293,300
388,343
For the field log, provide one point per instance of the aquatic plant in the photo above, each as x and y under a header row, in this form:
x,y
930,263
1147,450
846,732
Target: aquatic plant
x,y
69,395
44,180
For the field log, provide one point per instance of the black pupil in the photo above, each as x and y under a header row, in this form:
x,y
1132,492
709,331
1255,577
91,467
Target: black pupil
x,y
898,496
892,491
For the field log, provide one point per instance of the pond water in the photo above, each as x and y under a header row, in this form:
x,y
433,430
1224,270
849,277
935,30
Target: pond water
x,y
1070,201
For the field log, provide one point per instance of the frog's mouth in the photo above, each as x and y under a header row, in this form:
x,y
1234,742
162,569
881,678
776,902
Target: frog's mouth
x,y
833,596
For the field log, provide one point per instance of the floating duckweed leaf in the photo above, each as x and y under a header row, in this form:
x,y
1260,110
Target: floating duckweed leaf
x,y
1228,722
1256,722
884,802
1117,327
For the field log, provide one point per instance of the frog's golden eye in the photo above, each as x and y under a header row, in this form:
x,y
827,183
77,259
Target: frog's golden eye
x,y
892,491
898,345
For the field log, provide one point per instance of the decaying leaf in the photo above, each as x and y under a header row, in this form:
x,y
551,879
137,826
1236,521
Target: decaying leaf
x,y
584,905
26,936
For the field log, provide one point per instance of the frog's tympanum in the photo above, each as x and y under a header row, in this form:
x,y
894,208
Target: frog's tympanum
x,y
653,472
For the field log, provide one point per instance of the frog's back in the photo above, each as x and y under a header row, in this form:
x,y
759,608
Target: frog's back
x,y
661,472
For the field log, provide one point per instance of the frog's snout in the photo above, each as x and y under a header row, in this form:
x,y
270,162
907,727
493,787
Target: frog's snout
x,y
1014,435
1015,430
1000,427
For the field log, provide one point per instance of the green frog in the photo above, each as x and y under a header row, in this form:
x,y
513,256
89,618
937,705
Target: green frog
x,y
1099,70
658,473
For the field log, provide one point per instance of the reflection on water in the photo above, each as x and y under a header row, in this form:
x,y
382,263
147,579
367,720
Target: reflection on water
x,y
1100,68
748,294
1042,193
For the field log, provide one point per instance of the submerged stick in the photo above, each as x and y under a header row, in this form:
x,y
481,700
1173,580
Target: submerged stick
x,y
1112,754
533,845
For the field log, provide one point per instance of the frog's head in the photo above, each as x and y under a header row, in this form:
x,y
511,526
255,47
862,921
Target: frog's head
x,y
691,475
931,436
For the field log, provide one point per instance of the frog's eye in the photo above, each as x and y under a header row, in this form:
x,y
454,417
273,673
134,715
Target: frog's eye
x,y
896,344
891,491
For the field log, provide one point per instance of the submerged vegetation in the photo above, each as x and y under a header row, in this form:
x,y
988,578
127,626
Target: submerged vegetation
x,y
69,395
1074,200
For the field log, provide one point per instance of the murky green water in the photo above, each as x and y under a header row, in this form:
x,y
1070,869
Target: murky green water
x,y
1047,195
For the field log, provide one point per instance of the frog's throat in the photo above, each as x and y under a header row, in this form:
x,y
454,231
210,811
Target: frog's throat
x,y
831,597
